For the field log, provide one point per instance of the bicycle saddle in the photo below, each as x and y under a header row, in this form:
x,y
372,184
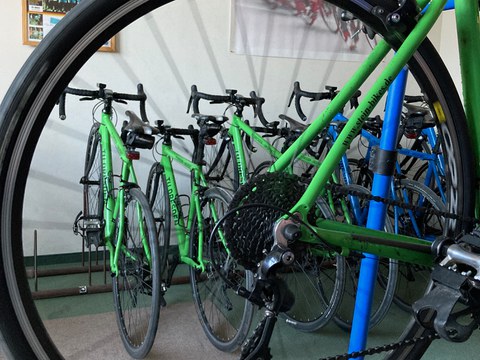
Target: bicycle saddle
x,y
294,124
138,126
216,119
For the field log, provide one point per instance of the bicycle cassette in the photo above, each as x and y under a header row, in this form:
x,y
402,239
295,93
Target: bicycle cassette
x,y
249,230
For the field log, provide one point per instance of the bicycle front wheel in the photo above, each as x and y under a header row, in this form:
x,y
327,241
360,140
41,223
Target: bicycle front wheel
x,y
26,107
136,287
224,316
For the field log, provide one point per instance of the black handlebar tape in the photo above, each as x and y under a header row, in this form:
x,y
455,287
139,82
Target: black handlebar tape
x,y
78,92
412,99
100,94
82,92
174,131
141,93
196,96
266,130
313,96
258,102
194,99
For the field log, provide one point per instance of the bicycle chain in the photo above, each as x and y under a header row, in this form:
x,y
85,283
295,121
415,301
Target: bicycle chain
x,y
383,348
344,190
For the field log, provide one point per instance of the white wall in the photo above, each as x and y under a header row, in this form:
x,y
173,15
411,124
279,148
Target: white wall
x,y
168,52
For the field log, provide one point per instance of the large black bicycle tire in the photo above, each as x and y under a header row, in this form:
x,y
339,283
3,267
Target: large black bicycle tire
x,y
224,344
37,87
157,184
139,348
40,82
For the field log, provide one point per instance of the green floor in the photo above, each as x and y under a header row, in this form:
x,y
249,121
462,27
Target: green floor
x,y
286,343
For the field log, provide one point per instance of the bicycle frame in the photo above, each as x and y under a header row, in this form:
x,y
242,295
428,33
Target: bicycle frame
x,y
235,131
114,206
182,225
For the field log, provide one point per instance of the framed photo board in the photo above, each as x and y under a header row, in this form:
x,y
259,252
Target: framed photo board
x,y
40,16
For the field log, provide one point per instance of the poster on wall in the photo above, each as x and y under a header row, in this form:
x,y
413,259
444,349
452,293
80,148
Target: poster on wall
x,y
40,16
306,29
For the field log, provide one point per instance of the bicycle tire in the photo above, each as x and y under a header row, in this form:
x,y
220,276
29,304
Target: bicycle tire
x,y
157,195
41,80
136,287
225,318
93,188
28,102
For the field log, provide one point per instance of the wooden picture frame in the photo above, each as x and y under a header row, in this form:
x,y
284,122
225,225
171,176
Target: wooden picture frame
x,y
40,16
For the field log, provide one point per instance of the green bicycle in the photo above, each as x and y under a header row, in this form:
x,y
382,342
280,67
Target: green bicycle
x,y
224,316
118,216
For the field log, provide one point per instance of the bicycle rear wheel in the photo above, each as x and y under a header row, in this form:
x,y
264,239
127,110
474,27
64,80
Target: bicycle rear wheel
x,y
224,316
136,287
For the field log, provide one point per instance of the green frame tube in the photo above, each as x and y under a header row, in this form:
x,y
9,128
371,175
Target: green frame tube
x,y
468,33
114,206
181,226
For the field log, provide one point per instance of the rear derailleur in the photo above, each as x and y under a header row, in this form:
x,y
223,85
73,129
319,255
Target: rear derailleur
x,y
452,307
272,293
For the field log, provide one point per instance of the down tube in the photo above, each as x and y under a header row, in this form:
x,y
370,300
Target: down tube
x,y
376,212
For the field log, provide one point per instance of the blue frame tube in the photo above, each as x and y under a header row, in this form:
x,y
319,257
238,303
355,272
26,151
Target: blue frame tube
x,y
376,216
